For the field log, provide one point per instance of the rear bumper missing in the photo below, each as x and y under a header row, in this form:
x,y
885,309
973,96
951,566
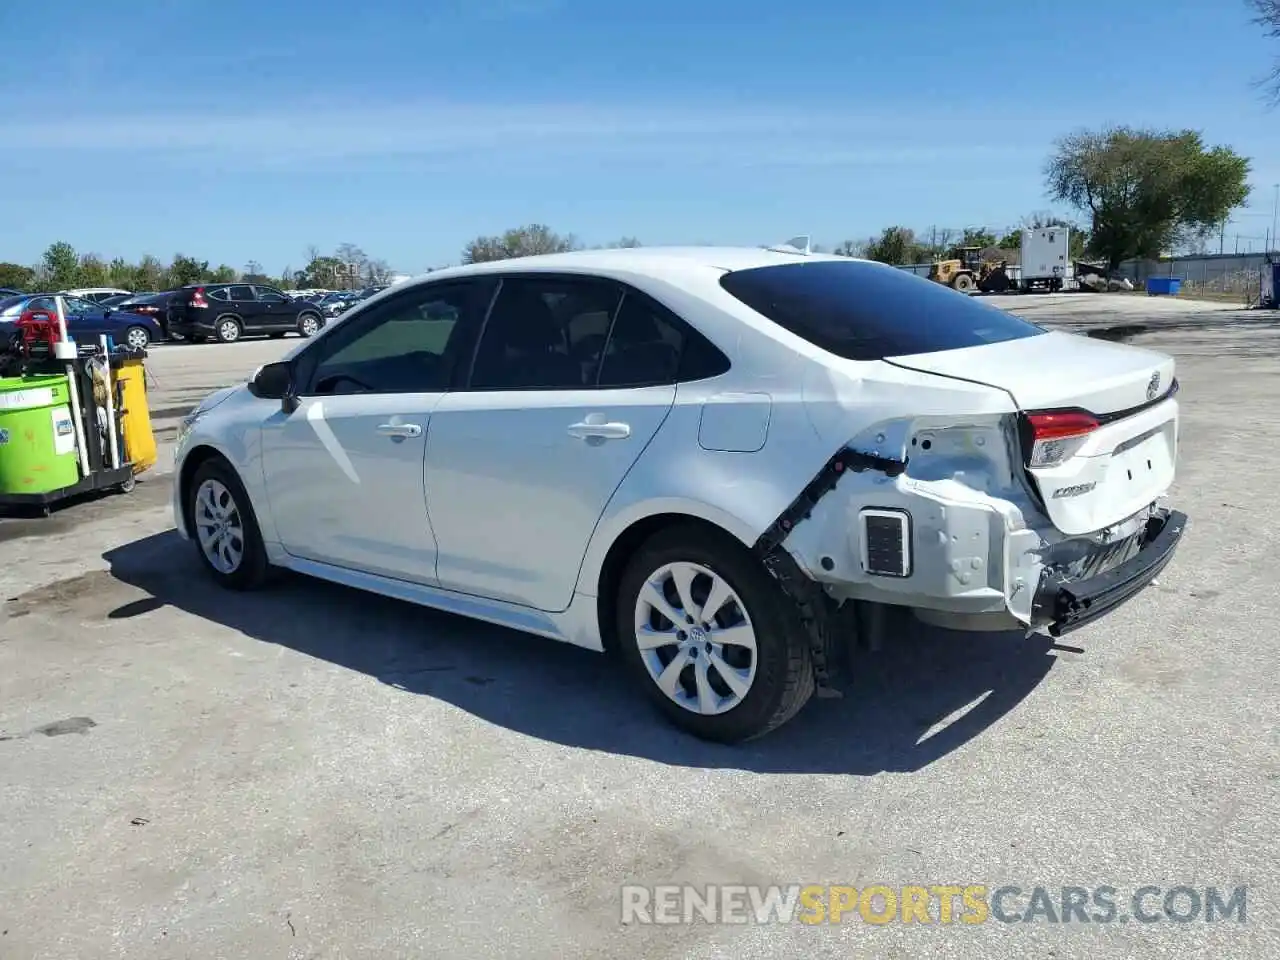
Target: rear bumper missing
x,y
1062,606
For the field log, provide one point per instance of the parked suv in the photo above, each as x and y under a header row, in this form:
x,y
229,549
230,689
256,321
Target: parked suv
x,y
228,311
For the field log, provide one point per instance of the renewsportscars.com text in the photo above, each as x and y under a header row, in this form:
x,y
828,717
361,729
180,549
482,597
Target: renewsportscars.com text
x,y
966,904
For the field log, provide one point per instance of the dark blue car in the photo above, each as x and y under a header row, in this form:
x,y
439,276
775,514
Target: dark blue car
x,y
86,320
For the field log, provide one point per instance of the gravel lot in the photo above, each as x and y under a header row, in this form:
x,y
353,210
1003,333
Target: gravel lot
x,y
315,773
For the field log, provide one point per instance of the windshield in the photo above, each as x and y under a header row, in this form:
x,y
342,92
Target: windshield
x,y
861,310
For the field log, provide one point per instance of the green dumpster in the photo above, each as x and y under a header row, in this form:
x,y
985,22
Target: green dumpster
x,y
37,435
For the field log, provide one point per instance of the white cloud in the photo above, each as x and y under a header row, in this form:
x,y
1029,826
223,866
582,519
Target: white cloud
x,y
345,133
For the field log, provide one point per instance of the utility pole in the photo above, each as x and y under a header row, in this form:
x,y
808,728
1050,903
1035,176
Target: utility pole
x,y
1275,208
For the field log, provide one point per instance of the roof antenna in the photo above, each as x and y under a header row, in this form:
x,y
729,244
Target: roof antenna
x,y
799,244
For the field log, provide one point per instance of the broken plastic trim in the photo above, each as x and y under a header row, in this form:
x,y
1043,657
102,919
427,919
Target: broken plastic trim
x,y
802,506
812,603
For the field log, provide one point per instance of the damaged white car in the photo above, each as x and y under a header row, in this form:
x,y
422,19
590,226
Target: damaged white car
x,y
726,464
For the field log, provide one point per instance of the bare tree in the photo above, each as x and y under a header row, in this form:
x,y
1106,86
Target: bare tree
x,y
1267,16
377,272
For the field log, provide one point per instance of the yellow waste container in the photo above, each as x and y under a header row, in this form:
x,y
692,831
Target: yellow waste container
x,y
139,438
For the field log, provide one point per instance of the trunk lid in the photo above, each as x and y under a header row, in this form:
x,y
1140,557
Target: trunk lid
x,y
1118,467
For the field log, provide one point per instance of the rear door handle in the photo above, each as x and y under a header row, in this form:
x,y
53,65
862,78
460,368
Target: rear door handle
x,y
600,431
400,430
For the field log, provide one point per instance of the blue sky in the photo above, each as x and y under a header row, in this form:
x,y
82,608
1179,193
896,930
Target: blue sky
x,y
239,131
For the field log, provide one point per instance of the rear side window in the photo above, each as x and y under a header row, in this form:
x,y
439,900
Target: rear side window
x,y
242,293
868,311
218,293
545,334
647,345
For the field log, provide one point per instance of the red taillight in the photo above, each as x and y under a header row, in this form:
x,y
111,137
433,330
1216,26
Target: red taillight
x,y
197,298
1060,426
1057,436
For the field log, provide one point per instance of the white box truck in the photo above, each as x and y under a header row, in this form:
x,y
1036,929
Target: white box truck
x,y
1046,258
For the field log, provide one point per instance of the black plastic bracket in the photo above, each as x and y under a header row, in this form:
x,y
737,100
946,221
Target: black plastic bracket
x,y
846,461
812,602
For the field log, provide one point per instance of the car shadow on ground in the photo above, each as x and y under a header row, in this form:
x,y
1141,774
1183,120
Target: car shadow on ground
x,y
894,715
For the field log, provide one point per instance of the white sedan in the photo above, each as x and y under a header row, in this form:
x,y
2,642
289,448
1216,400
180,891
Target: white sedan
x,y
728,465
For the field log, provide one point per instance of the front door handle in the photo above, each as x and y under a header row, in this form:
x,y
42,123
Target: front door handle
x,y
600,431
399,431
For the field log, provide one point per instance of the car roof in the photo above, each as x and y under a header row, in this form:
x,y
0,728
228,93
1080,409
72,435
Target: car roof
x,y
656,262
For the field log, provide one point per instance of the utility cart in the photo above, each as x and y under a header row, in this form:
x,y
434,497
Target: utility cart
x,y
73,416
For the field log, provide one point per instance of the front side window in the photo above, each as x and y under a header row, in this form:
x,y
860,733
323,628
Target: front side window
x,y
267,295
545,334
868,311
400,347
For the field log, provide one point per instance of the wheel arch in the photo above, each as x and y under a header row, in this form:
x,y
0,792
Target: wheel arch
x,y
608,555
196,457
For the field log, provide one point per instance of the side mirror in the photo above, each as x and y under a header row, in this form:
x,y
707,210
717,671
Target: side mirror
x,y
274,381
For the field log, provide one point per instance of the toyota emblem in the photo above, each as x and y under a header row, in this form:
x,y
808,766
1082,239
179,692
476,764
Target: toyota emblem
x,y
1153,385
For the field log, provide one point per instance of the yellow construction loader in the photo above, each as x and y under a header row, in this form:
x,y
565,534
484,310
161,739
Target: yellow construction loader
x,y
970,272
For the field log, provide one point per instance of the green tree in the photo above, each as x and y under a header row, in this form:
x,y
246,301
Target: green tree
x,y
320,272
527,241
94,271
223,274
1146,191
976,237
896,245
184,270
61,266
121,273
150,274
16,277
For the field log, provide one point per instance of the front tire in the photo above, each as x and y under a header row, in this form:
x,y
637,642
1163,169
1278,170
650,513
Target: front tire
x,y
711,637
225,528
309,325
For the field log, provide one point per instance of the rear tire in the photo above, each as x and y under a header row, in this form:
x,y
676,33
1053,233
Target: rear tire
x,y
224,527
138,337
751,691
227,329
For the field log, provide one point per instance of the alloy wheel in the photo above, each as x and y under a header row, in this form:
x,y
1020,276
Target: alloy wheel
x,y
695,638
219,527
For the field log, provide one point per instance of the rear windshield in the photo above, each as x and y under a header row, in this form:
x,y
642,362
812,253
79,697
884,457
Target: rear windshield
x,y
868,311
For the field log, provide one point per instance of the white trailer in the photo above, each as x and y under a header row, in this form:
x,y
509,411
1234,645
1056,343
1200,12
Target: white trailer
x,y
1046,259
